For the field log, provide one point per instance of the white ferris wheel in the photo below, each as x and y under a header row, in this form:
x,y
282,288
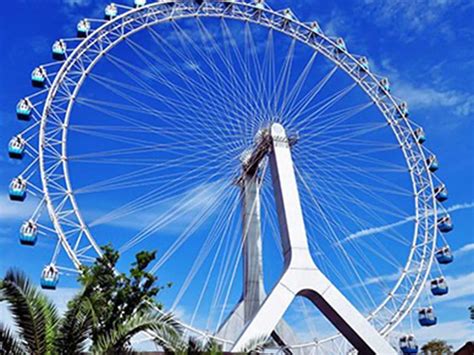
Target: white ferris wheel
x,y
269,166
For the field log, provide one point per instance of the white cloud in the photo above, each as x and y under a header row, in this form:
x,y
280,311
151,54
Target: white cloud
x,y
15,211
189,203
465,249
380,229
461,206
408,18
461,103
12,214
459,287
456,333
336,24
424,96
377,230
379,279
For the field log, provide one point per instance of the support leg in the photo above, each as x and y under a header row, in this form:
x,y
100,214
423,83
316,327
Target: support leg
x,y
312,284
253,290
268,316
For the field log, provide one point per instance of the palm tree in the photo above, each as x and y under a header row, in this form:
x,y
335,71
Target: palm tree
x,y
41,331
75,327
194,346
117,340
35,317
257,345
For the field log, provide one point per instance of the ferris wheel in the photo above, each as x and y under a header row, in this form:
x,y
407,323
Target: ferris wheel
x,y
244,145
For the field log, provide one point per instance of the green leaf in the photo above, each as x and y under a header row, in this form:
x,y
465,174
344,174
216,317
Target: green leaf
x,y
116,340
33,314
9,344
75,327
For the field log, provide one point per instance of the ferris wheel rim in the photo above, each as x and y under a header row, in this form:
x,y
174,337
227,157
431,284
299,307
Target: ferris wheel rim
x,y
143,11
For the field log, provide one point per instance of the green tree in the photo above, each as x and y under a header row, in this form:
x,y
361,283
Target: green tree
x,y
110,309
193,346
122,305
436,347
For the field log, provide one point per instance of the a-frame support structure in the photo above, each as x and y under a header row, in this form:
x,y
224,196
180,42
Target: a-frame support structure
x,y
301,276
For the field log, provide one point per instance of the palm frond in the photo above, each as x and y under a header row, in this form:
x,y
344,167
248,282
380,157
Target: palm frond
x,y
116,339
9,344
256,345
212,348
50,313
75,327
31,311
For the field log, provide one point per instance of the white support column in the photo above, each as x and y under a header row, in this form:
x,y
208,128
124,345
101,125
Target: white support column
x,y
253,289
301,275
254,293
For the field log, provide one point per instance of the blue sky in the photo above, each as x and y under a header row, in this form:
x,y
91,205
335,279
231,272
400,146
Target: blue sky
x,y
426,48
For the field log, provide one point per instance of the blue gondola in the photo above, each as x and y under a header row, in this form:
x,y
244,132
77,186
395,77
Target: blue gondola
x,y
23,110
427,317
403,110
16,147
363,65
287,17
432,163
441,193
38,77
408,344
59,50
110,11
439,286
384,86
28,233
49,277
83,28
18,189
340,45
420,135
444,255
139,3
314,31
259,7
445,224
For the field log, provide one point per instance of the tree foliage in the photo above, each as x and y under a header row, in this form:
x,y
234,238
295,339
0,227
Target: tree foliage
x,y
75,327
34,315
436,347
109,311
114,297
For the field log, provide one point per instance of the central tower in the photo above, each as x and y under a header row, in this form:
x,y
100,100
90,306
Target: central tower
x,y
262,315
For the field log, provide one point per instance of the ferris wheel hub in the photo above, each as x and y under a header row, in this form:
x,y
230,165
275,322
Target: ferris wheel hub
x,y
252,157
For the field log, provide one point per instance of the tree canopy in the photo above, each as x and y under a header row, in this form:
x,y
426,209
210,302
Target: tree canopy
x,y
436,347
115,296
103,317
